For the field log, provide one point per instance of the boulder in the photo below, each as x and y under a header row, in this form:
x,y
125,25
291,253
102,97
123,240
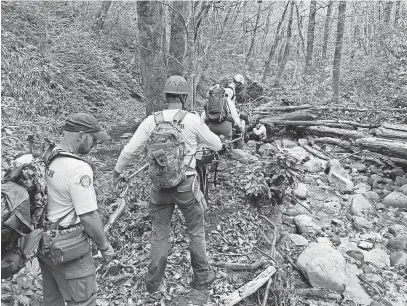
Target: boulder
x,y
301,191
314,165
360,206
323,266
372,196
305,224
339,177
400,181
297,210
397,243
365,245
403,189
398,259
355,254
358,166
397,172
396,199
377,256
298,153
362,188
398,230
298,240
360,223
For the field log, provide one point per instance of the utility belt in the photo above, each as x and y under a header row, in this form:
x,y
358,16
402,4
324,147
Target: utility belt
x,y
225,118
64,244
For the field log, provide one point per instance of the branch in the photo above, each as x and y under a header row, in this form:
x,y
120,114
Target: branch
x,y
165,54
179,13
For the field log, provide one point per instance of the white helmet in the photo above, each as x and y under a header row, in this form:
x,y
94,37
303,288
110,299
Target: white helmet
x,y
239,78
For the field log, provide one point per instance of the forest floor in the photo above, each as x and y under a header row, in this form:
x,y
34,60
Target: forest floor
x,y
367,250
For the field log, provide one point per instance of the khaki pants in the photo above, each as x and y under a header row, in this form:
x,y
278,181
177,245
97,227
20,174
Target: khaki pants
x,y
191,202
73,282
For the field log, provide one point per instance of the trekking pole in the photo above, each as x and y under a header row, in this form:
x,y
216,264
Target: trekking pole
x,y
121,194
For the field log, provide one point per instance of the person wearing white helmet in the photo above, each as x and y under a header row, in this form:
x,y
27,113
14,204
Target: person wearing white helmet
x,y
224,127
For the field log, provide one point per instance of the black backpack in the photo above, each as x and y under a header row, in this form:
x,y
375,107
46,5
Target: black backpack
x,y
217,109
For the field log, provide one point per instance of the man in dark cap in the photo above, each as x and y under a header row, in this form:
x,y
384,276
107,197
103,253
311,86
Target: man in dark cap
x,y
72,212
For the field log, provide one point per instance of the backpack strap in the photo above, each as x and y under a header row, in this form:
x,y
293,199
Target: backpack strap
x,y
61,152
179,116
234,91
158,117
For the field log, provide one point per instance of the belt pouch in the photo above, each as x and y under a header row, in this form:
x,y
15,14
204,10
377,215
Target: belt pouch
x,y
69,246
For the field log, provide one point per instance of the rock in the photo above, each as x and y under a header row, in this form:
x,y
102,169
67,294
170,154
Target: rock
x,y
374,303
305,224
380,206
354,291
301,191
332,207
298,153
362,188
335,239
376,177
358,166
377,256
403,189
386,180
360,206
398,259
372,196
365,245
288,143
398,230
397,172
339,177
323,266
324,240
396,199
360,223
358,255
367,269
297,210
400,181
314,165
298,240
397,243
317,193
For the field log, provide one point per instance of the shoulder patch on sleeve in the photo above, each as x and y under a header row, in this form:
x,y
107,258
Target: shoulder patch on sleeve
x,y
85,181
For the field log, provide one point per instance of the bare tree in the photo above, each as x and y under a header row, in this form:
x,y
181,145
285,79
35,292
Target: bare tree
x,y
250,52
287,45
150,25
327,28
178,38
338,49
387,11
274,45
310,35
102,14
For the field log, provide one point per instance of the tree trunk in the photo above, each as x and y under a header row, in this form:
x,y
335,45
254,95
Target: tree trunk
x,y
385,147
250,52
324,131
178,39
274,45
102,14
287,46
299,24
150,25
338,49
397,13
326,30
387,11
310,35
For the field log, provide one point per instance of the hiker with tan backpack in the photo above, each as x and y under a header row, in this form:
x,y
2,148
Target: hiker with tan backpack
x,y
170,138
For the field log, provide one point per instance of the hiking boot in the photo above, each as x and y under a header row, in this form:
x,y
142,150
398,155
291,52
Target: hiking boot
x,y
202,284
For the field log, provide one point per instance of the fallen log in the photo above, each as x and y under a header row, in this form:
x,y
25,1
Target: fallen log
x,y
294,116
331,123
334,141
384,147
118,212
303,143
325,131
282,108
396,127
236,266
249,288
390,133
355,109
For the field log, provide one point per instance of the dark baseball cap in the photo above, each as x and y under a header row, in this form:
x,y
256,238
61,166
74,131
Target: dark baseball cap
x,y
86,123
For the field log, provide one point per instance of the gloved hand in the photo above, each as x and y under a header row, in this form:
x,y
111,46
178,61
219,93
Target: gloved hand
x,y
107,253
116,178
